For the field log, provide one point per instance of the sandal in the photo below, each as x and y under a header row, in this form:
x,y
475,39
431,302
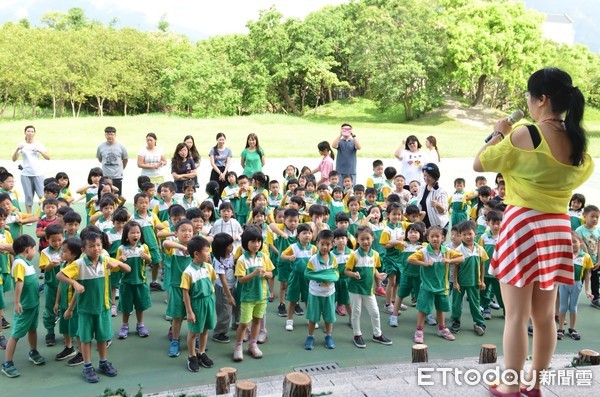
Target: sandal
x,y
495,392
574,334
560,334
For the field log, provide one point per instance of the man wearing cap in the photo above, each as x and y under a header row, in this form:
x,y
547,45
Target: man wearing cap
x,y
346,145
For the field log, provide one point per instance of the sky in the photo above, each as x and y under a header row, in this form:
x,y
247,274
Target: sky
x,y
199,19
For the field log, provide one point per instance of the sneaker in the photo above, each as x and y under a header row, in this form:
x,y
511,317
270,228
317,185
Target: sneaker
x,y
170,334
430,320
455,327
479,329
574,334
254,351
389,309
238,353
155,286
67,352
113,310
90,375
108,343
247,334
204,360
298,311
76,360
359,342
310,342
221,338
192,364
5,324
418,338
124,331
117,294
141,330
380,291
413,302
271,297
596,303
174,348
289,325
107,369
393,321
9,369
36,358
494,305
487,314
262,337
341,310
329,344
403,307
382,339
316,325
560,334
281,310
50,340
446,334
530,329
2,342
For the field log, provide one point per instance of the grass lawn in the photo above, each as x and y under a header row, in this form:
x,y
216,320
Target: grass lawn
x,y
281,136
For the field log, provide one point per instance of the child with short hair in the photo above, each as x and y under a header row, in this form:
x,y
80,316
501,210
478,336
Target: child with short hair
x,y
227,224
376,180
7,186
347,184
468,278
208,215
133,291
167,192
316,212
362,269
89,277
199,299
488,241
356,217
342,221
252,269
71,221
434,261
393,240
231,191
188,200
322,273
569,294
91,189
590,234
299,254
50,207
243,206
287,234
26,305
15,219
576,206
457,203
388,184
225,287
63,182
6,251
50,259
370,199
274,198
114,235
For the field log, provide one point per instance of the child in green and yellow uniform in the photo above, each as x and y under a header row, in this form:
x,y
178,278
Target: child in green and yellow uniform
x,y
488,241
199,299
285,235
50,259
5,279
457,203
27,304
15,219
341,251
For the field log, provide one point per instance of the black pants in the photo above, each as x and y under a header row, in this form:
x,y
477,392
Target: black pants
x,y
595,284
215,177
118,183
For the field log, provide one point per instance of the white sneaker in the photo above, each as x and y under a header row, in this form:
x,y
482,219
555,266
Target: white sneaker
x,y
113,310
389,309
403,307
289,325
393,321
262,336
316,325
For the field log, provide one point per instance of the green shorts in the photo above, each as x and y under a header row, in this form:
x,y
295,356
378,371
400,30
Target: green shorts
x,y
427,300
95,326
25,322
7,282
250,310
204,310
134,296
408,285
321,305
341,291
63,324
167,278
74,324
390,266
115,279
2,302
155,255
297,290
175,306
284,269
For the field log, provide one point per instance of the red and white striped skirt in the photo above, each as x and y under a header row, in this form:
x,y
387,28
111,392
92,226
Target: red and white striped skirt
x,y
533,246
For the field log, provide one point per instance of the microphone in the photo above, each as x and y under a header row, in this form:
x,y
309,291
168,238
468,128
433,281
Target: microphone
x,y
512,119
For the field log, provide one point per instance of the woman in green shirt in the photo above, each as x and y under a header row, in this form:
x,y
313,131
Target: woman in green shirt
x,y
253,157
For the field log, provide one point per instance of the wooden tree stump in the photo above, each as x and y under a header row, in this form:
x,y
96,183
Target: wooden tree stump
x,y
222,383
588,357
419,353
231,372
245,388
487,354
297,384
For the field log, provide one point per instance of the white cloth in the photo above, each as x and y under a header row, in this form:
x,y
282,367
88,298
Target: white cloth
x,y
369,302
151,158
31,158
412,165
440,195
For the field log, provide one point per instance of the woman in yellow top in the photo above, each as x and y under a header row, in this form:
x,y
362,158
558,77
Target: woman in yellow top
x,y
541,165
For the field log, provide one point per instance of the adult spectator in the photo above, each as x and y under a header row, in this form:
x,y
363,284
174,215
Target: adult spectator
x,y
182,166
113,156
151,158
412,158
434,154
220,158
432,198
192,153
253,156
346,145
32,173
541,164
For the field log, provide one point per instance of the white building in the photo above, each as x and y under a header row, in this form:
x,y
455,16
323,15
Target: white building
x,y
559,28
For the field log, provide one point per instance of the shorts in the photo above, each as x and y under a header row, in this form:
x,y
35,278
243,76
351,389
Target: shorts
x,y
63,324
391,266
115,279
2,302
25,322
283,271
95,326
342,297
426,301
74,324
297,290
320,305
204,310
251,310
408,285
175,305
155,255
134,296
7,282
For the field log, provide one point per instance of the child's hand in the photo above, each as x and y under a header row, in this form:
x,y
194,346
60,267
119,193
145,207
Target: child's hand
x,y
68,314
482,286
259,271
589,295
356,275
596,266
56,309
191,317
428,263
122,258
54,263
382,276
231,300
404,244
18,308
285,235
457,286
79,288
292,258
145,257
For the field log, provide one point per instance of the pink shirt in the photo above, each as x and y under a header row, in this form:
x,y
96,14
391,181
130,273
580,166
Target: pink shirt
x,y
325,167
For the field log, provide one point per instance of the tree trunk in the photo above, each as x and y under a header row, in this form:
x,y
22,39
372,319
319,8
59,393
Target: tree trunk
x,y
53,106
330,94
100,101
78,108
419,353
480,87
23,107
148,106
125,108
588,357
231,373
5,102
73,107
245,388
286,97
487,354
222,386
408,109
297,384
